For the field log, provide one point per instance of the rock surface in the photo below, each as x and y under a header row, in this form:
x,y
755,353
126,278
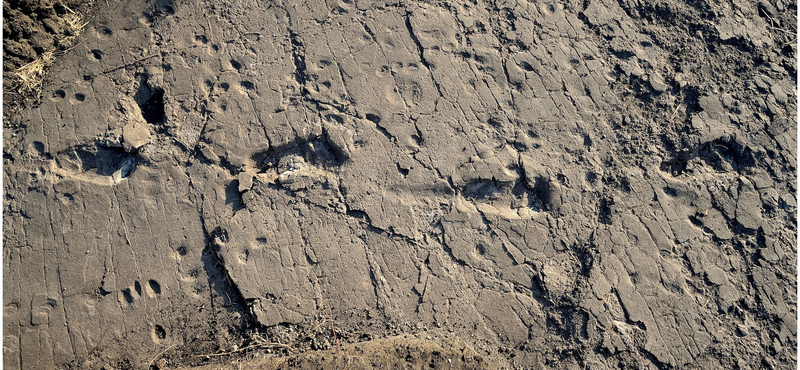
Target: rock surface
x,y
600,184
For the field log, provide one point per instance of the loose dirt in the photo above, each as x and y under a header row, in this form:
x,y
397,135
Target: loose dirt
x,y
34,34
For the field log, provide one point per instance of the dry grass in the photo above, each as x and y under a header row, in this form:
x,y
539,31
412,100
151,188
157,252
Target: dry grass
x,y
398,352
31,75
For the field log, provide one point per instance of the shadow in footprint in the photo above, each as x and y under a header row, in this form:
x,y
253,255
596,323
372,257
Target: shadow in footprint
x,y
151,101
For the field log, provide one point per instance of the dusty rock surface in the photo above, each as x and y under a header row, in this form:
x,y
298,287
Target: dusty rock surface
x,y
601,184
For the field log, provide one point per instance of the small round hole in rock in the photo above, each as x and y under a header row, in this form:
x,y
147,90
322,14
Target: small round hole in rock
x,y
155,286
160,332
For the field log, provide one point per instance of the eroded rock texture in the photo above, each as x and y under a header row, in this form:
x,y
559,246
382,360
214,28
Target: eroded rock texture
x,y
597,184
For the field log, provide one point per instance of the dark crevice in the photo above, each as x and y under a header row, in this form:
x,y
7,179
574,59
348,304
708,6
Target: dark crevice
x,y
414,38
604,216
440,232
220,281
421,50
383,131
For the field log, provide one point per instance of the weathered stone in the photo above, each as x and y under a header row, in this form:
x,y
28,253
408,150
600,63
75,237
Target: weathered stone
x,y
525,176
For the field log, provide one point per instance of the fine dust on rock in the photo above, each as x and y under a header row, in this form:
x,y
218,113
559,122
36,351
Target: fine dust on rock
x,y
535,184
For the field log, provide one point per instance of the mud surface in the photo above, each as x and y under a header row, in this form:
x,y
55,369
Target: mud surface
x,y
600,184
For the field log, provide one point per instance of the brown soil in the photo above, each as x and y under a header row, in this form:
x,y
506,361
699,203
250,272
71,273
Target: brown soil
x,y
31,29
